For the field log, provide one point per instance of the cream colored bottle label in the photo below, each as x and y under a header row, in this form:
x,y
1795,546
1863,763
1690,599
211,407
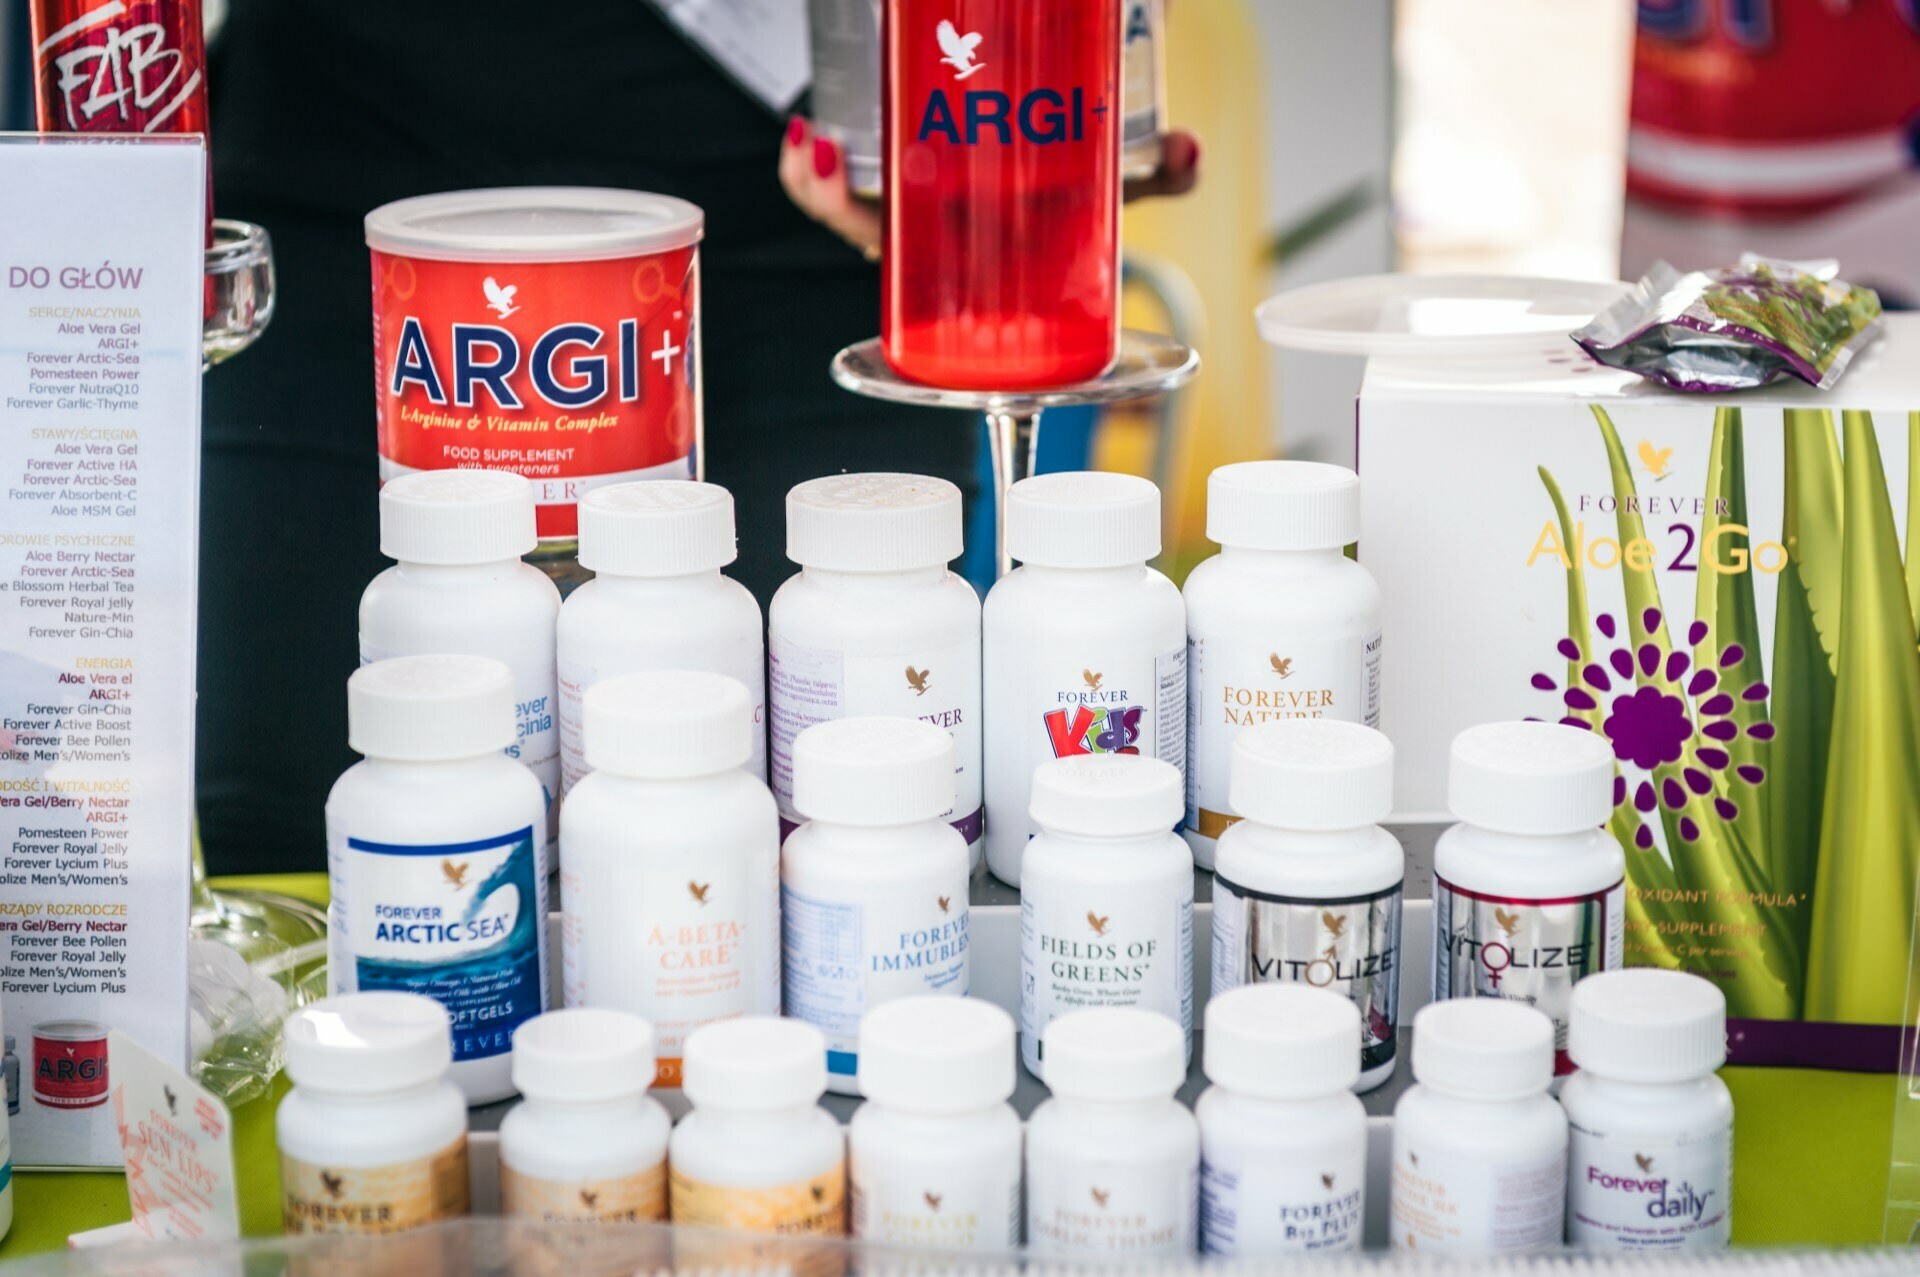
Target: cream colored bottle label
x,y
1240,681
946,1209
625,1199
816,1207
1446,1200
1149,1209
702,945
318,1198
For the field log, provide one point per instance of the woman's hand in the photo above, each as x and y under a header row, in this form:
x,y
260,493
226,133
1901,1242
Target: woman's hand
x,y
813,170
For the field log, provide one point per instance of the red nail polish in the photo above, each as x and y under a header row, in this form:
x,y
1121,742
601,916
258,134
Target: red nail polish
x,y
826,157
796,130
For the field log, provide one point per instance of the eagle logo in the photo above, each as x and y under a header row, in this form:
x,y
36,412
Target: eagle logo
x,y
1645,1162
699,890
1509,922
589,1198
933,1200
1092,679
499,296
957,49
173,1101
1100,1196
1282,665
1335,923
456,875
1326,1181
819,1192
1098,921
1658,461
946,903
336,1185
918,680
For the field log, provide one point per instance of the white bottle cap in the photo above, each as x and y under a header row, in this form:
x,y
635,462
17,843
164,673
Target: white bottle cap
x,y
369,1043
873,771
1531,778
1483,1048
1115,1053
1107,796
453,517
429,709
754,1064
1647,1025
1283,505
1083,519
874,523
657,527
1282,1042
1311,774
937,1056
583,1055
667,724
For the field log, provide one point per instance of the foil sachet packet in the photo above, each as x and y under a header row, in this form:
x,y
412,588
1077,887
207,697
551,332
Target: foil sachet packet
x,y
1736,327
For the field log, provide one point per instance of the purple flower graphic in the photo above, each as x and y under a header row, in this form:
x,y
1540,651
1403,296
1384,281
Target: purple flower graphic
x,y
1650,725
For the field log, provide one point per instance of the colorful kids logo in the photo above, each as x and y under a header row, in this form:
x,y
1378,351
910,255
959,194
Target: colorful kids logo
x,y
1089,730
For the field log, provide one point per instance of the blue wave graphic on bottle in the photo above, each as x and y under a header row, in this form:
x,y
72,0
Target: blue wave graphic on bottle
x,y
492,988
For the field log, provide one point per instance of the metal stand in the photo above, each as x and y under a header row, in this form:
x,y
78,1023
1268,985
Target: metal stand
x,y
1149,364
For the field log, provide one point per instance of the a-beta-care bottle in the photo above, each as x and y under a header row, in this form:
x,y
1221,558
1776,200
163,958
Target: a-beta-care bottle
x,y
670,860
657,601
1307,887
873,899
758,1153
587,1145
934,1154
1113,1160
1479,1147
1651,1167
459,588
874,625
1086,646
1283,1139
1106,909
373,1137
1529,890
433,854
1280,624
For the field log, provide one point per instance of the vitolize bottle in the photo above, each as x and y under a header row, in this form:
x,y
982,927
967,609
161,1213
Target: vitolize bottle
x,y
670,861
873,899
1280,624
459,587
433,856
1307,888
1479,1147
934,1153
1001,133
1652,1159
1085,645
1113,1160
657,602
875,625
1529,891
1283,1139
1106,909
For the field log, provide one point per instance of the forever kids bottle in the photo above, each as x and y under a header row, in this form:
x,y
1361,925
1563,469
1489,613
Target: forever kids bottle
x,y
433,856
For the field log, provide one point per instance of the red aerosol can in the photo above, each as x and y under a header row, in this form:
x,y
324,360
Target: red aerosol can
x,y
1001,127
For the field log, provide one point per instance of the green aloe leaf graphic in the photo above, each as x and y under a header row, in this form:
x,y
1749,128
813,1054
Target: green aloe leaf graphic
x,y
1870,826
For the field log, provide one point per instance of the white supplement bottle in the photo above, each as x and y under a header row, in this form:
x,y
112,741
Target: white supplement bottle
x,y
373,1137
1529,890
1479,1147
657,601
874,625
1086,646
1281,624
873,888
670,860
758,1153
1283,1139
1113,1160
1307,887
458,587
1106,908
433,857
587,1145
1651,1167
934,1155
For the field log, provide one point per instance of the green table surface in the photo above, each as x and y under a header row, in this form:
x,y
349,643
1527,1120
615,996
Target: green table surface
x,y
1810,1156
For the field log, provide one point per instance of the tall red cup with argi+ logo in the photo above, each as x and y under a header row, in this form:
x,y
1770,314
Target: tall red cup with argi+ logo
x,y
550,331
1001,264
70,1064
